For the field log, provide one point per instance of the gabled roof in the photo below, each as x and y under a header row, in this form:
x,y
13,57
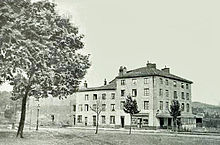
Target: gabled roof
x,y
110,86
145,71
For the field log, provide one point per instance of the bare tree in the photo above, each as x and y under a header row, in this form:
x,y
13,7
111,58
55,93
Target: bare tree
x,y
97,108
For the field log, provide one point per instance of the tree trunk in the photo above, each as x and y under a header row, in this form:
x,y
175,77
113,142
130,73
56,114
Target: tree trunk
x,y
130,124
174,124
97,124
23,113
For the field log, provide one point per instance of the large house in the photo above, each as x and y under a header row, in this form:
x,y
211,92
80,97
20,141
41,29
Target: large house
x,y
154,89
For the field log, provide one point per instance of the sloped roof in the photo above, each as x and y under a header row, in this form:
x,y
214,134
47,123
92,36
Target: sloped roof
x,y
145,71
110,86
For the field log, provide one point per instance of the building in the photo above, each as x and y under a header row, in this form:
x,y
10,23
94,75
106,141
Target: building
x,y
153,89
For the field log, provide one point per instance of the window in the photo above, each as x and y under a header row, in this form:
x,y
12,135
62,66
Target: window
x,y
182,107
145,121
182,85
112,107
167,93
103,96
80,108
122,82
146,91
122,105
112,119
187,86
167,105
161,92
103,107
174,84
134,81
122,93
94,106
146,105
175,95
134,92
187,96
167,82
146,81
103,119
74,108
95,96
187,107
182,95
161,81
161,105
113,96
86,96
86,107
79,119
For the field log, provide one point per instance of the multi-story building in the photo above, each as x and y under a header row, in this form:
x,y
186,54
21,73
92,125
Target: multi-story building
x,y
153,89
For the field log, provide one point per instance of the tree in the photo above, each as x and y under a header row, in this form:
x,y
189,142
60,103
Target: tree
x,y
97,108
39,52
175,111
131,108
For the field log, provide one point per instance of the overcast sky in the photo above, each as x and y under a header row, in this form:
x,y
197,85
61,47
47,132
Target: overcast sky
x,y
183,35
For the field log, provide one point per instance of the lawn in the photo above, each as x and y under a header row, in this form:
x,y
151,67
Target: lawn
x,y
87,137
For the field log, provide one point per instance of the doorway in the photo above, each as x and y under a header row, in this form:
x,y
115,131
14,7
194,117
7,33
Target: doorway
x,y
161,122
94,120
86,120
122,121
139,123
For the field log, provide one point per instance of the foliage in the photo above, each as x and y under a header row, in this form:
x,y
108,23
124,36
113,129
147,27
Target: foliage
x,y
175,111
39,51
131,108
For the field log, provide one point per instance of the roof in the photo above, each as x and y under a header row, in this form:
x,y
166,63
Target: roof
x,y
110,86
145,71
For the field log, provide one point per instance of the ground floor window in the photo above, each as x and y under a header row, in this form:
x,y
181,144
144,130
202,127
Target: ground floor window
x,y
79,119
112,119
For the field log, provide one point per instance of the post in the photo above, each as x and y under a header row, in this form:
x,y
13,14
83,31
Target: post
x,y
38,109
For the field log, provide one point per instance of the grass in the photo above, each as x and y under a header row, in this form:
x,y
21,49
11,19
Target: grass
x,y
87,137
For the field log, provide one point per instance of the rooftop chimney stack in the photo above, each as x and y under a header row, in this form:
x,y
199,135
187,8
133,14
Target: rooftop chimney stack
x,y
151,65
122,70
85,84
105,82
166,70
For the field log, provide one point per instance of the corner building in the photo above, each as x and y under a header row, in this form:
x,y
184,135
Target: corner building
x,y
153,89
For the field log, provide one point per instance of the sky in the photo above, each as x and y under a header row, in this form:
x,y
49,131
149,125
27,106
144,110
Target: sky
x,y
182,35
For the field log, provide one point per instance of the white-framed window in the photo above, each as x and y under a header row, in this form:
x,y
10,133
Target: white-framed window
x,y
104,96
112,119
134,81
146,91
112,107
86,96
182,107
122,93
146,105
182,85
182,95
161,80
122,103
187,107
167,93
134,92
103,119
112,96
161,105
187,96
86,107
80,108
174,83
146,80
161,92
95,96
122,82
103,107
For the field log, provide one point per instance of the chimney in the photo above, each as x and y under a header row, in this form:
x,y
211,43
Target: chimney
x,y
122,70
166,70
151,65
105,82
85,84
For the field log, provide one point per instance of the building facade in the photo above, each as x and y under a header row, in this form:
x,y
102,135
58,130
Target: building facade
x,y
153,89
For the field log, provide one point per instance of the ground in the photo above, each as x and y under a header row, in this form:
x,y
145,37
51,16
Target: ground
x,y
77,136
